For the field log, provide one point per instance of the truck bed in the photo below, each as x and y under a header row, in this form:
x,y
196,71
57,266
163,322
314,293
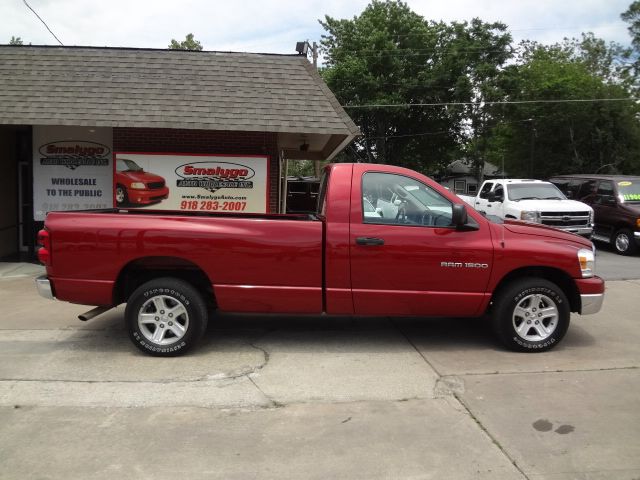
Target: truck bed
x,y
237,251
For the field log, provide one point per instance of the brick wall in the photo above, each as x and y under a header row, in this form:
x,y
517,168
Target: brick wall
x,y
169,140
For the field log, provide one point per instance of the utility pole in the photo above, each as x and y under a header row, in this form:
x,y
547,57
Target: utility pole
x,y
314,54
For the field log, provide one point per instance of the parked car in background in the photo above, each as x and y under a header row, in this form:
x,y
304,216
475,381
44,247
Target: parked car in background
x,y
134,186
533,201
616,202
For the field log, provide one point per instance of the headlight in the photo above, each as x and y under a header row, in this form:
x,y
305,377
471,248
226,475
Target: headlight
x,y
530,216
138,185
590,217
587,262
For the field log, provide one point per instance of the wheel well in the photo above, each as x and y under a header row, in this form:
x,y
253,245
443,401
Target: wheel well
x,y
560,278
140,271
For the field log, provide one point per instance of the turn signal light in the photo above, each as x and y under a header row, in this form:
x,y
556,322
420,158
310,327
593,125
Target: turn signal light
x,y
44,253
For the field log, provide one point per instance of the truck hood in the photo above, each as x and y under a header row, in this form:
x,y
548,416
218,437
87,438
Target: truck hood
x,y
633,207
553,205
525,228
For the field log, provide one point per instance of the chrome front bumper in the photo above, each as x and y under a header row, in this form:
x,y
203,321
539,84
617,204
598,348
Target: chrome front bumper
x,y
591,303
582,231
44,287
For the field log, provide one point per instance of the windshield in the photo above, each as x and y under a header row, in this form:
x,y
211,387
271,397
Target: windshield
x,y
126,165
534,191
629,190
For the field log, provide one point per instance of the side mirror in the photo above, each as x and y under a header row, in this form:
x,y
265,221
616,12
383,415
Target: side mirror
x,y
491,196
459,216
608,200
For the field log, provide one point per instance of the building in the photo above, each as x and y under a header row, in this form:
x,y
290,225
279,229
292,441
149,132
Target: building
x,y
84,127
460,177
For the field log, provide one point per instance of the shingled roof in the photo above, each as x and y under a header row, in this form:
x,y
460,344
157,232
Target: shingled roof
x,y
119,87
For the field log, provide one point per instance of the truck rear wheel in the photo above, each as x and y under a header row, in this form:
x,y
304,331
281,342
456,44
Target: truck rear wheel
x,y
166,317
531,315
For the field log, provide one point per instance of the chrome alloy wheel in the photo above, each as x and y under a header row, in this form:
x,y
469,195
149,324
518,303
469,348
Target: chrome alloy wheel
x,y
535,317
622,242
163,320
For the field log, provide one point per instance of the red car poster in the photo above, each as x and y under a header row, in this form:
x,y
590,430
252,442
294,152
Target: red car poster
x,y
204,183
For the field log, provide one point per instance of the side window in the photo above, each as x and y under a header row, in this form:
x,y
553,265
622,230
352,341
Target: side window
x,y
586,189
398,200
321,206
486,188
562,184
604,193
499,191
605,188
573,189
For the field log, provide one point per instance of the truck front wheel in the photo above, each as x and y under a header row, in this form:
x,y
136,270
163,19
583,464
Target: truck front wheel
x,y
531,315
165,317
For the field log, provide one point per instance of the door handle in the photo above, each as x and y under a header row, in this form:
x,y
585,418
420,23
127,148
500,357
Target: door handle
x,y
369,241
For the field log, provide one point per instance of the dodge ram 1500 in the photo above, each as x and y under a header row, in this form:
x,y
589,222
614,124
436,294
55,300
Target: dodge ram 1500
x,y
433,257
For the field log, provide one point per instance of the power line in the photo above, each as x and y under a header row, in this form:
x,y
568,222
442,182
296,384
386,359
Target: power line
x,y
43,22
504,102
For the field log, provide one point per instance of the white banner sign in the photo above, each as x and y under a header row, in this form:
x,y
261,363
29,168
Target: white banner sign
x,y
204,183
72,169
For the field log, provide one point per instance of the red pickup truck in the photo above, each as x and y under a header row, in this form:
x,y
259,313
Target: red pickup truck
x,y
432,256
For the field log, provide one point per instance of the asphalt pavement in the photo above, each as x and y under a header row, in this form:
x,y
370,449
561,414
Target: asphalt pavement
x,y
286,397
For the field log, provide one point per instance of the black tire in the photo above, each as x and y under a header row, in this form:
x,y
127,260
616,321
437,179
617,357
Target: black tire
x,y
623,242
152,326
121,196
517,308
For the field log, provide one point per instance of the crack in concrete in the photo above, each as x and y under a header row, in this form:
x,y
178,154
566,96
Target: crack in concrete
x,y
539,372
453,386
489,435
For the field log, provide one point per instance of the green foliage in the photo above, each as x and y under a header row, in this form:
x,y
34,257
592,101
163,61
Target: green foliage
x,y
300,168
189,43
16,41
390,55
632,16
535,108
543,139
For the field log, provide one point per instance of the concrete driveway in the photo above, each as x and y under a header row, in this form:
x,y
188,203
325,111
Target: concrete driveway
x,y
274,397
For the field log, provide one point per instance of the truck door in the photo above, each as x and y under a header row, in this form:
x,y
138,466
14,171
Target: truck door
x,y
481,200
496,206
414,263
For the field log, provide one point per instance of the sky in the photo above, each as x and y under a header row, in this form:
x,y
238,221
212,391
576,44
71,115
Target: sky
x,y
274,26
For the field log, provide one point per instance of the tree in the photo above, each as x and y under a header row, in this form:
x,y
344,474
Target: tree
x,y
189,43
632,16
389,55
16,41
569,126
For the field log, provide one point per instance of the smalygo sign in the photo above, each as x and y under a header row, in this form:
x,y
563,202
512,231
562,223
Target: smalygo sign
x,y
74,153
72,169
193,182
213,176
